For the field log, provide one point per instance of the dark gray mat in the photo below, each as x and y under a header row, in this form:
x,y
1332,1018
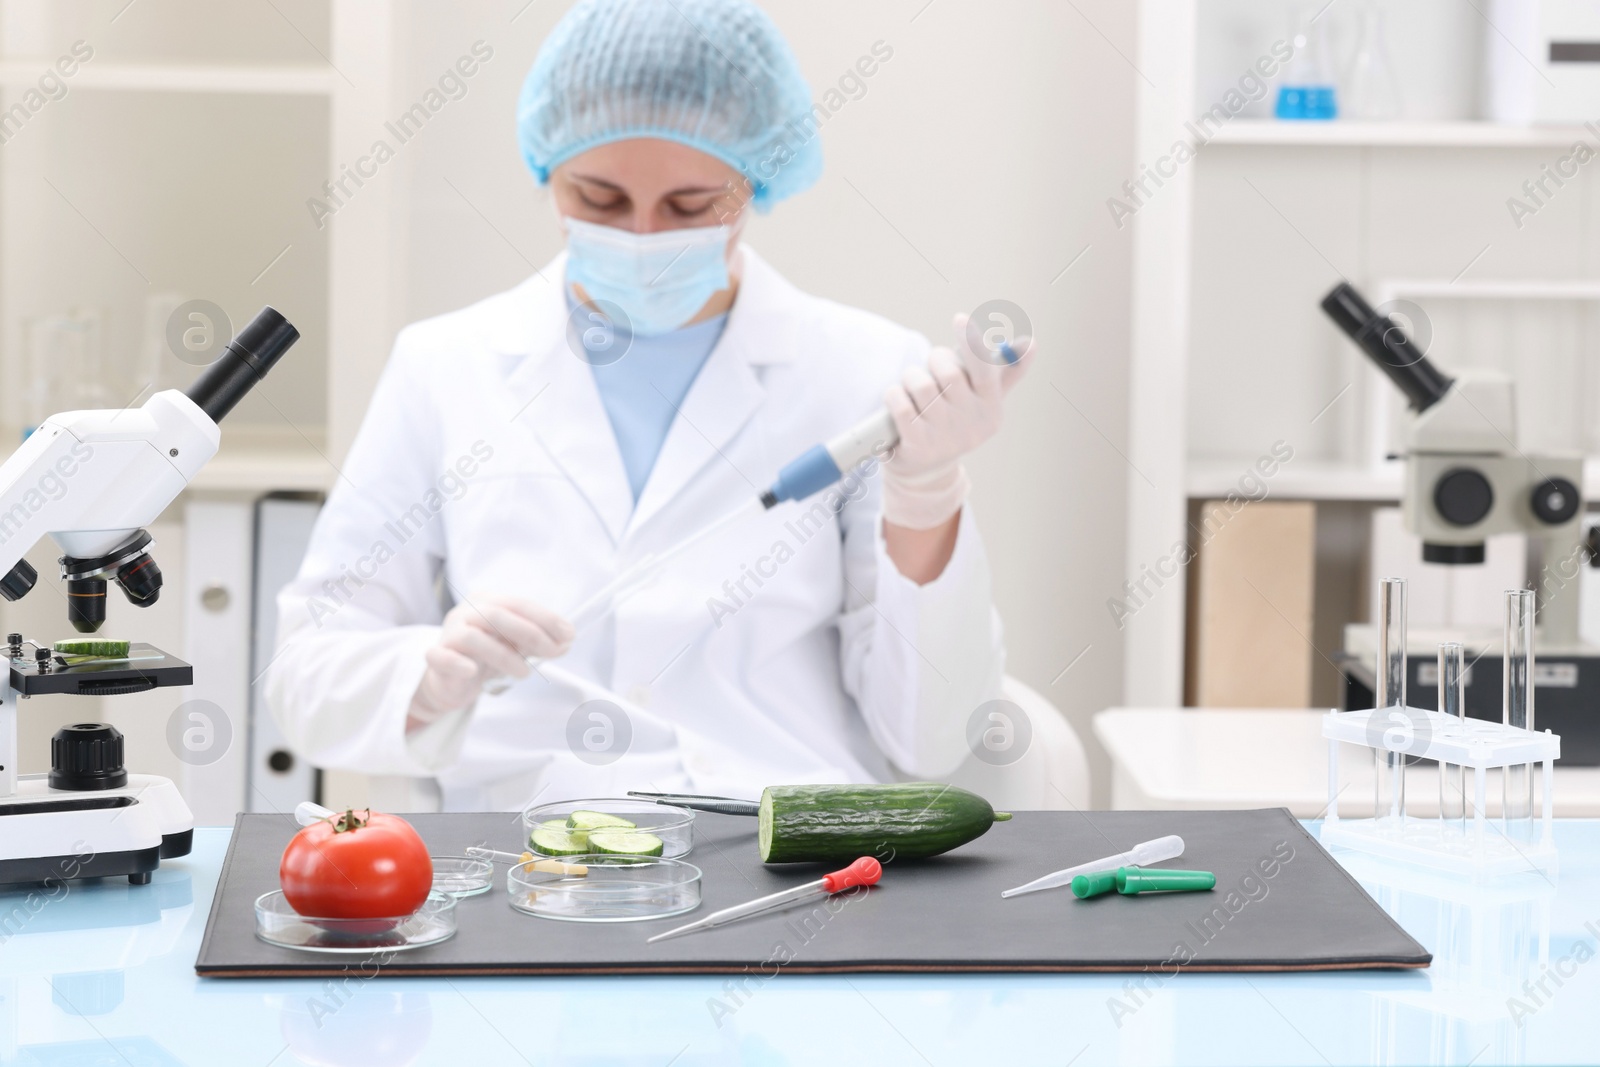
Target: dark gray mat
x,y
1281,904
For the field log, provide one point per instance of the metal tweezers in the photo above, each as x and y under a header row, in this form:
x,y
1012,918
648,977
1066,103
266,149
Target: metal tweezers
x,y
700,802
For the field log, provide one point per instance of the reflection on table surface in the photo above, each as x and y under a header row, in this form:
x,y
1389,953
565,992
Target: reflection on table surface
x,y
103,973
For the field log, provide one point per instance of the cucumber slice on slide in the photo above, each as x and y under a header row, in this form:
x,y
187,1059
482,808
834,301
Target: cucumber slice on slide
x,y
622,842
93,646
555,838
597,820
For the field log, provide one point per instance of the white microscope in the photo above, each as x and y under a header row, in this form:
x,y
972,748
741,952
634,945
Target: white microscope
x,y
92,480
1466,479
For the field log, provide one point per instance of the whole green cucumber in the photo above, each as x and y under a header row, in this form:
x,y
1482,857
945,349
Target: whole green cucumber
x,y
902,820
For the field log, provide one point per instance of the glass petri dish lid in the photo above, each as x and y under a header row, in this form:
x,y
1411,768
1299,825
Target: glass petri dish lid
x,y
462,876
279,924
615,889
569,827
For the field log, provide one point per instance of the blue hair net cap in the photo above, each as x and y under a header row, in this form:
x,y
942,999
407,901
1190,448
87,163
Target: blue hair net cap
x,y
715,75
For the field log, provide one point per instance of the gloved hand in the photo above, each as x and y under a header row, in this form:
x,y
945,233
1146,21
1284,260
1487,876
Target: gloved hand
x,y
942,412
483,640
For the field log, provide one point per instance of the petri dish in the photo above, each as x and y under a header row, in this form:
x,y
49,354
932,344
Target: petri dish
x,y
617,889
462,876
279,924
673,825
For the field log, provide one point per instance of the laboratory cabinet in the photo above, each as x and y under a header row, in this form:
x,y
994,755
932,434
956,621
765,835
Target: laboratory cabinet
x,y
1423,203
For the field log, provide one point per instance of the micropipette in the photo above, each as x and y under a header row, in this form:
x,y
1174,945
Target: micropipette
x,y
1140,855
864,871
822,465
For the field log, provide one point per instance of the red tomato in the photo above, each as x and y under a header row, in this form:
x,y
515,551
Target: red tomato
x,y
356,865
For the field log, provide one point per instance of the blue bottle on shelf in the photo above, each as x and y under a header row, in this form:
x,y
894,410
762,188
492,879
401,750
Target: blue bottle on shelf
x,y
1306,87
1306,102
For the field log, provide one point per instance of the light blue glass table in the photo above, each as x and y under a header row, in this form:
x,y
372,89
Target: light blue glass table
x,y
104,975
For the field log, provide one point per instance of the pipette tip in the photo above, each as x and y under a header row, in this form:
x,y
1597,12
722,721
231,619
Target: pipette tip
x,y
1031,887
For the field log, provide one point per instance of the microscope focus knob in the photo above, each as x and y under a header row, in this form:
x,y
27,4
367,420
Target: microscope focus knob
x,y
87,755
1555,501
1463,497
18,581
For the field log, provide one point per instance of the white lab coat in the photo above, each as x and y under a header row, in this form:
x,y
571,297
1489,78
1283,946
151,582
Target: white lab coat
x,y
786,649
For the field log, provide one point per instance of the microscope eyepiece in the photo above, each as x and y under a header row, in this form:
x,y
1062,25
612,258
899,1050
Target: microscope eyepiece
x,y
244,362
1386,343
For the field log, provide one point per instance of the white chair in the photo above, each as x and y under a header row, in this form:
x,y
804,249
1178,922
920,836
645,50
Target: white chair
x,y
1053,773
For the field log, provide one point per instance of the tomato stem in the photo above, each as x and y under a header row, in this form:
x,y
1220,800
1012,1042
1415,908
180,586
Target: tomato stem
x,y
348,820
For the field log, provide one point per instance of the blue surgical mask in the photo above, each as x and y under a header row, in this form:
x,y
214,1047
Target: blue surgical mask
x,y
659,280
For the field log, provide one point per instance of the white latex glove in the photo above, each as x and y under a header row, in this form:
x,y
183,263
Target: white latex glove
x,y
942,412
488,638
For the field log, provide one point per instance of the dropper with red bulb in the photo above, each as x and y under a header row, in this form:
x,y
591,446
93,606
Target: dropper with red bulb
x,y
863,872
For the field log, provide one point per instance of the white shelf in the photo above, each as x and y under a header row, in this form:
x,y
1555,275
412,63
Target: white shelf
x,y
1299,480
288,79
1530,289
1348,134
1214,479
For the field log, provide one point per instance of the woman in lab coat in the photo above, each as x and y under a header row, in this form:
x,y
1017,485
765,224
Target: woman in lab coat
x,y
521,453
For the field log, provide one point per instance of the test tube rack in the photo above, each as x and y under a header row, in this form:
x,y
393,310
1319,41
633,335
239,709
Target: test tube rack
x,y
1480,746
1397,735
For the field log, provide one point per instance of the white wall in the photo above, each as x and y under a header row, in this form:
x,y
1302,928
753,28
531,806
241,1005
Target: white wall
x,y
975,166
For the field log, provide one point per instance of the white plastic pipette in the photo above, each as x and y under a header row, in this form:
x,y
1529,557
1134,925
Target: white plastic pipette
x,y
309,811
528,861
605,600
1140,855
864,871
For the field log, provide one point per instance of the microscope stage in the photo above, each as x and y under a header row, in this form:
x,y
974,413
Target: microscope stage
x,y
146,667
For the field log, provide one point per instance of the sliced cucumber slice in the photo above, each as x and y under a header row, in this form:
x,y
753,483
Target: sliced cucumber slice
x,y
99,647
764,825
555,838
597,820
623,842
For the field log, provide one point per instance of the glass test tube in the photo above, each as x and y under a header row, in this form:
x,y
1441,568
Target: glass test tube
x,y
1453,702
1391,693
1517,710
